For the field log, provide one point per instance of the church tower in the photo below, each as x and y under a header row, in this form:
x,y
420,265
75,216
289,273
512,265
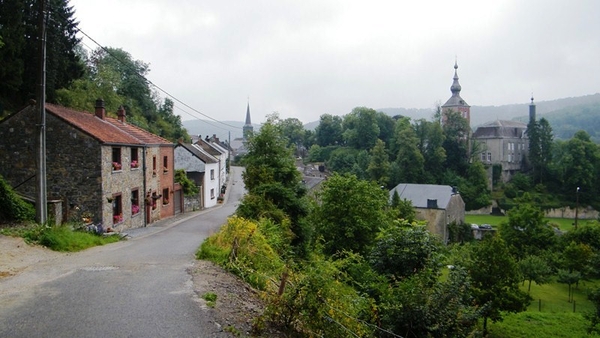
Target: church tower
x,y
455,102
248,128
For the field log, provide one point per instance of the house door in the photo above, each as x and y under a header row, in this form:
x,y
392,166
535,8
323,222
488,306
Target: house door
x,y
178,197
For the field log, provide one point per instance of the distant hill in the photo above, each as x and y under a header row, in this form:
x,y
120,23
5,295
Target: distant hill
x,y
566,116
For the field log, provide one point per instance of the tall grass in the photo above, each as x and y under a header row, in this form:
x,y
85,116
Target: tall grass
x,y
60,238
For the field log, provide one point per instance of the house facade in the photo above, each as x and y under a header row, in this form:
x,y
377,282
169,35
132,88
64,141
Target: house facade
x,y
504,143
218,152
439,205
100,167
201,168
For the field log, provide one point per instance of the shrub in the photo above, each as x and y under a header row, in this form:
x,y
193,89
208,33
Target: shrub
x,y
63,238
12,207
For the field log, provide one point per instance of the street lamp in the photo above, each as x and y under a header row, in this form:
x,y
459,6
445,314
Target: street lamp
x,y
577,205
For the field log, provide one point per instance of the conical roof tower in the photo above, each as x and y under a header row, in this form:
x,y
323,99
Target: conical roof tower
x,y
455,102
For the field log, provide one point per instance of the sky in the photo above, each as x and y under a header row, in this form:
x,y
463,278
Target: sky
x,y
305,58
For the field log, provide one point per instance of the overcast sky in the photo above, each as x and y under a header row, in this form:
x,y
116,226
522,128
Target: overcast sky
x,y
306,58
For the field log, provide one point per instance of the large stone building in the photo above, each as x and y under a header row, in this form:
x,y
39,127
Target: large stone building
x,y
114,172
504,143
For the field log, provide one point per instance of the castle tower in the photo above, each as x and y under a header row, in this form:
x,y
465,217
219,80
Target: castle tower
x,y
455,102
248,128
531,111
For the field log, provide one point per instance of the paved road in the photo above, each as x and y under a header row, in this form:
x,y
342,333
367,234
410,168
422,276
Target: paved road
x,y
135,288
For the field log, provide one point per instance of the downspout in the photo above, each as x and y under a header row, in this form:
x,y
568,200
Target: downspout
x,y
144,167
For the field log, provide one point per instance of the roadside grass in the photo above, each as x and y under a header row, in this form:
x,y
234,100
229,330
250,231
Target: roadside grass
x,y
210,298
564,224
59,238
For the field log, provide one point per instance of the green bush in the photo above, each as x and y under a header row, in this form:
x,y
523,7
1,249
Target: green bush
x,y
63,238
12,207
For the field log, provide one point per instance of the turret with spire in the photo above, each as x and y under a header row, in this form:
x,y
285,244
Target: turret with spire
x,y
455,102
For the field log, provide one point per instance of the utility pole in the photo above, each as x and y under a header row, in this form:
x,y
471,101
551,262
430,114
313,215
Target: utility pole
x,y
41,202
577,205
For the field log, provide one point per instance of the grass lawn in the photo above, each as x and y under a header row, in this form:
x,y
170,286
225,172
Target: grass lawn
x,y
564,224
556,318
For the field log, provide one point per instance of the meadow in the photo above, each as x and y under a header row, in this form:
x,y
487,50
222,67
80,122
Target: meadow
x,y
564,224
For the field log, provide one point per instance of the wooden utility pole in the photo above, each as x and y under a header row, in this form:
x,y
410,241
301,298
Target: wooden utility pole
x,y
41,202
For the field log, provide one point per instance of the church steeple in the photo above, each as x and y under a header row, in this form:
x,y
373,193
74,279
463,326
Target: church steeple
x,y
248,128
455,102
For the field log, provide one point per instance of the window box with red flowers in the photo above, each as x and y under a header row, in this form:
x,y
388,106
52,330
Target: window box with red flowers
x,y
135,164
117,218
116,166
135,209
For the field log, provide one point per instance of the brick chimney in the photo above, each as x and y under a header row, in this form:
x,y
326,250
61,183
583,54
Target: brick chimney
x,y
100,111
121,114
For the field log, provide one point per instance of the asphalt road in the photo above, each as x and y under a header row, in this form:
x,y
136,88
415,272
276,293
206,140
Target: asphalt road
x,y
134,288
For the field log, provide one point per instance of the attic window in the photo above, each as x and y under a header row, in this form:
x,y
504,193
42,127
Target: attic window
x,y
116,159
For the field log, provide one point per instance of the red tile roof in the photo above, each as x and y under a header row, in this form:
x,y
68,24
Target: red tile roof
x,y
107,130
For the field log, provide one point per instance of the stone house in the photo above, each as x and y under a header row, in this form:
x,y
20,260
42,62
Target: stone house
x,y
200,167
439,205
103,167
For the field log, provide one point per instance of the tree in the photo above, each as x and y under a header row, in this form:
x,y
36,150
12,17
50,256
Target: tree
x,y
361,130
293,130
272,179
474,189
495,277
400,252
379,167
409,161
431,140
20,55
540,148
594,316
457,132
349,213
536,269
329,130
526,232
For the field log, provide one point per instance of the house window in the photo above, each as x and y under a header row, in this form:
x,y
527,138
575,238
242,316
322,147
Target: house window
x,y
482,157
165,196
135,162
489,157
154,198
116,159
212,174
153,165
212,194
165,163
117,209
135,201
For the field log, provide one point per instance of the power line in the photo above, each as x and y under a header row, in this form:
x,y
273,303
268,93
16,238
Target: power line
x,y
158,87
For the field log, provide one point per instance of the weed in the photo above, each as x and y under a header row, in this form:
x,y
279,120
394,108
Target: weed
x,y
210,298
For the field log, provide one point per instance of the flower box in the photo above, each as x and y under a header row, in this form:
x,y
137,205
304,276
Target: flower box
x,y
135,209
116,166
135,164
117,219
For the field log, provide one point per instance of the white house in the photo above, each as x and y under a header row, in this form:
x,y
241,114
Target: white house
x,y
202,168
218,152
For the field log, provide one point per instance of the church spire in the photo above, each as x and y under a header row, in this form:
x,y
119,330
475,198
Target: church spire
x,y
248,128
248,120
455,102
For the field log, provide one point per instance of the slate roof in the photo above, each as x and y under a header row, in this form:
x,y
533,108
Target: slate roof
x,y
418,194
208,147
198,152
108,130
501,128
